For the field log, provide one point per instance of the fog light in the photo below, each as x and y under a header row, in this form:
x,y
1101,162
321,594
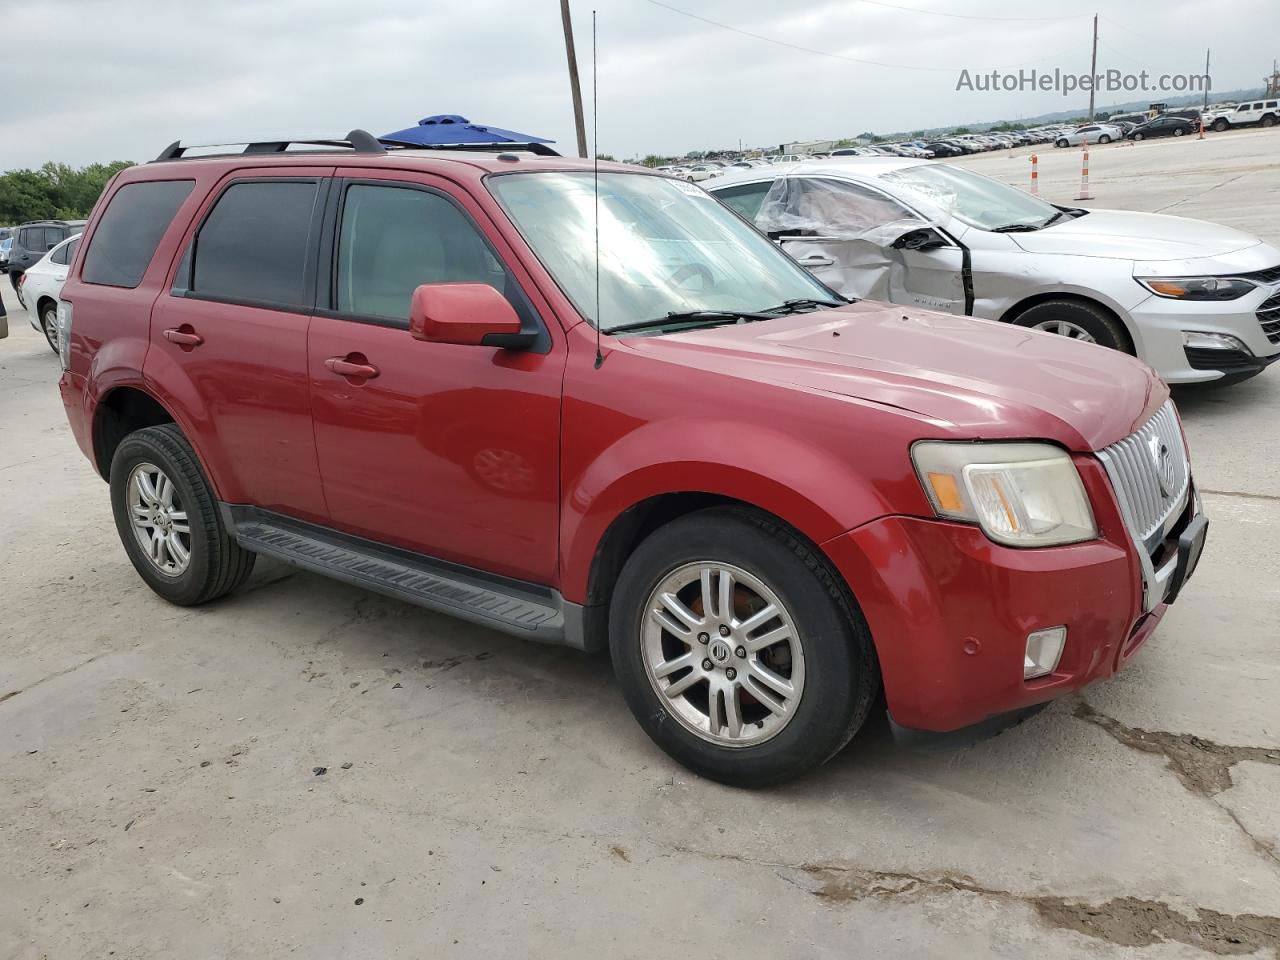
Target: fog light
x,y
1044,650
1211,341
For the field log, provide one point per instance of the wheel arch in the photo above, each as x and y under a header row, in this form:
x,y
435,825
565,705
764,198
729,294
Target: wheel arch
x,y
1026,303
119,412
44,299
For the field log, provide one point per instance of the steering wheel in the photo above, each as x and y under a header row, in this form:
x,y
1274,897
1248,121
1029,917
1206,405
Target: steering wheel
x,y
690,270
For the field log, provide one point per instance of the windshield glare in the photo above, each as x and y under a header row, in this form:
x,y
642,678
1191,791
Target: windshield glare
x,y
973,199
665,247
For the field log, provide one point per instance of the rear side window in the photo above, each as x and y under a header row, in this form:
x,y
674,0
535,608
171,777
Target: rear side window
x,y
32,239
130,230
253,245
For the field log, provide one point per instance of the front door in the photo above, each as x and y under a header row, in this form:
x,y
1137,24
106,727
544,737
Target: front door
x,y
848,236
447,450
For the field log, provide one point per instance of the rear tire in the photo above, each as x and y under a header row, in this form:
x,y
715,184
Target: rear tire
x,y
1073,317
1064,142
826,657
1178,132
205,563
1139,136
49,324
1104,139
1268,121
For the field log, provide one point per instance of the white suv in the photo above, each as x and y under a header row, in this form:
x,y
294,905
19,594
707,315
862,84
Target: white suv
x,y
1263,112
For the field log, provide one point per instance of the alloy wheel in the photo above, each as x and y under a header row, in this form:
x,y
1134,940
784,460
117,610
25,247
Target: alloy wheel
x,y
159,519
1065,328
723,653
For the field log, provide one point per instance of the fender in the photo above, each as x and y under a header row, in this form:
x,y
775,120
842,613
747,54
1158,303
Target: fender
x,y
812,489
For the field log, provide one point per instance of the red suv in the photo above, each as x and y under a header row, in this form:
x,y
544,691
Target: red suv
x,y
600,409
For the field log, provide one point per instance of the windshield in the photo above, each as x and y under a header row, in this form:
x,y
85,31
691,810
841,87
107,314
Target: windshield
x,y
665,247
973,199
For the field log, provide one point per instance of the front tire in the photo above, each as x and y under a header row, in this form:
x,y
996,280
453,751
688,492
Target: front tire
x,y
1104,139
1077,320
738,651
49,324
1220,125
1064,142
1178,131
169,522
1139,136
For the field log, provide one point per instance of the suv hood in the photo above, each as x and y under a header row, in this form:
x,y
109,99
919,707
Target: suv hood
x,y
973,379
1123,234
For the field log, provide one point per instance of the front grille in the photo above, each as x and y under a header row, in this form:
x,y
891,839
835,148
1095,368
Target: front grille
x,y
1228,361
1264,277
1151,474
1269,317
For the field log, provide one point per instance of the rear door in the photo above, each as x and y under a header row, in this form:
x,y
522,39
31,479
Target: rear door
x,y
446,450
229,338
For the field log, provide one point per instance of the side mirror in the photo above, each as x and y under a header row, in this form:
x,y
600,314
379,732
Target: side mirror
x,y
925,238
470,314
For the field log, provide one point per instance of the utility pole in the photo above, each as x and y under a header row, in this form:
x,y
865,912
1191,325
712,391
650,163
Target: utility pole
x,y
573,78
1093,67
1206,79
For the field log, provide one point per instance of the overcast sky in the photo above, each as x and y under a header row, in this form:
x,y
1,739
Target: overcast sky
x,y
90,80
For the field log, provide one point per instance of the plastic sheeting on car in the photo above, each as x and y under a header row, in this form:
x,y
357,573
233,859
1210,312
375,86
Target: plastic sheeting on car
x,y
844,232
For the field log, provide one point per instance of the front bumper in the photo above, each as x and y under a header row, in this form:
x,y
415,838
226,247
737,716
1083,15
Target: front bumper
x,y
1159,322
950,610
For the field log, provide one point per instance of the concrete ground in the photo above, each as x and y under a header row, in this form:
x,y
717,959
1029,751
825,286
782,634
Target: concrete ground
x,y
481,797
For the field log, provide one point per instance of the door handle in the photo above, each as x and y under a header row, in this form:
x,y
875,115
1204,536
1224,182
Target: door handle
x,y
816,260
352,365
183,337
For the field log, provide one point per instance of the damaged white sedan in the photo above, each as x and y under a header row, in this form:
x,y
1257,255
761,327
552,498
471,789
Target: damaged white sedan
x,y
1197,301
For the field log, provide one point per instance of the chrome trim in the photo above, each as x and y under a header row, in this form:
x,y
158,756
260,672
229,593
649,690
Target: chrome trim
x,y
1151,475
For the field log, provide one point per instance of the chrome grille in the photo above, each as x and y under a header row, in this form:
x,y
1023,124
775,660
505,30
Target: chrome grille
x,y
1151,475
1269,317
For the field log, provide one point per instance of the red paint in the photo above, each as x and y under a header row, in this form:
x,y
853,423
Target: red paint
x,y
518,462
461,313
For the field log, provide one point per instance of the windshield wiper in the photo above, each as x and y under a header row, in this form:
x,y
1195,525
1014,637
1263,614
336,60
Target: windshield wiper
x,y
1054,219
1016,228
690,318
803,305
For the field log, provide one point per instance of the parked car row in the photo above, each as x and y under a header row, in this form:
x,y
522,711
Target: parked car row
x,y
594,406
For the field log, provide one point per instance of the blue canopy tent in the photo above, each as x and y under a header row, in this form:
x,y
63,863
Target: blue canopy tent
x,y
448,129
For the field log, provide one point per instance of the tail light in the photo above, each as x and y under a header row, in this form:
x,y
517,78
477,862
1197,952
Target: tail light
x,y
64,333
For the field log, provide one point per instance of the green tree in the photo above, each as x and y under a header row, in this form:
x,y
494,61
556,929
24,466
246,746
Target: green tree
x,y
56,190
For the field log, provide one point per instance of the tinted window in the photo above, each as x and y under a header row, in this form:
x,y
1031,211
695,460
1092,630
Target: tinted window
x,y
253,245
130,230
744,199
31,239
61,255
394,239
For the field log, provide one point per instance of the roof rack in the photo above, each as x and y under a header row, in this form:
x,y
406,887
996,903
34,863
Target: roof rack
x,y
359,141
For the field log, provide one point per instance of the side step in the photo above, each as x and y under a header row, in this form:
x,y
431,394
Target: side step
x,y
512,606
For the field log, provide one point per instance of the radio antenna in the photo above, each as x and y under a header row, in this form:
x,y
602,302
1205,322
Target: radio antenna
x,y
595,177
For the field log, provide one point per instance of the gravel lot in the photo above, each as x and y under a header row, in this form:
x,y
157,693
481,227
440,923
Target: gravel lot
x,y
482,797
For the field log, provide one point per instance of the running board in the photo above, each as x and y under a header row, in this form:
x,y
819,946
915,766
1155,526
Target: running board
x,y
512,606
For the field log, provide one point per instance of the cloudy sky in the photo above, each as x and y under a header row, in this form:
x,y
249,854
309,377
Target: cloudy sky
x,y
94,80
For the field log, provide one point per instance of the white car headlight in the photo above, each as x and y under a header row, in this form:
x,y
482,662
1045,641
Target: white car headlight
x,y
1021,494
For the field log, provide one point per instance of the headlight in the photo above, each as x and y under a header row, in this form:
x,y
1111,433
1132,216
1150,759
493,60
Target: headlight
x,y
1021,494
1197,288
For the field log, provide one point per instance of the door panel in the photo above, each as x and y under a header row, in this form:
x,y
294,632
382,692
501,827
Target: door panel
x,y
237,371
444,449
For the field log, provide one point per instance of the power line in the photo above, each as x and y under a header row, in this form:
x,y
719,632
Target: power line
x,y
970,16
819,53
